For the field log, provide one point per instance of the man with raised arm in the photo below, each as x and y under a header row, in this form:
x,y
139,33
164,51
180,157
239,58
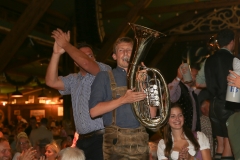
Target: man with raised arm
x,y
79,86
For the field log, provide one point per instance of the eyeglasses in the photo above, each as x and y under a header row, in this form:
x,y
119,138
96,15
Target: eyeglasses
x,y
4,151
23,143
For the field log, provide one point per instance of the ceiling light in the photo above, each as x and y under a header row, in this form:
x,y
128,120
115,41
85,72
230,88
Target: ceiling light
x,y
17,93
42,95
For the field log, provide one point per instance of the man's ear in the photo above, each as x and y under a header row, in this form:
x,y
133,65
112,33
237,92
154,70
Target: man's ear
x,y
114,56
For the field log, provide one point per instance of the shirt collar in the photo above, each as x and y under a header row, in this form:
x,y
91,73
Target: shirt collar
x,y
120,69
227,50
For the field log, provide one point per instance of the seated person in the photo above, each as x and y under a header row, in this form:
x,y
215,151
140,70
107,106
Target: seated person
x,y
23,144
51,151
180,142
40,147
71,153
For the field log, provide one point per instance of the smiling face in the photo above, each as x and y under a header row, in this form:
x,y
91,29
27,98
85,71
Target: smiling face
x,y
50,153
24,144
123,54
176,119
5,151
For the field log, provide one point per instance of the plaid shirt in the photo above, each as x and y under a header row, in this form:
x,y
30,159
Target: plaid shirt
x,y
80,89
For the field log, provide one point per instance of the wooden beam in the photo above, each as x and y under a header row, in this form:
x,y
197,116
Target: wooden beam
x,y
46,25
39,40
110,4
156,22
176,8
191,6
189,37
163,51
21,63
21,29
179,20
49,11
123,28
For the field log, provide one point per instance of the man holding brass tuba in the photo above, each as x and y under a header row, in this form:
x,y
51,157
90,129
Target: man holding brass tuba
x,y
124,136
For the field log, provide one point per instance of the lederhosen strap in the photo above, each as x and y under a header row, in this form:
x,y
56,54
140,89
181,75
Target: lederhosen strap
x,y
116,91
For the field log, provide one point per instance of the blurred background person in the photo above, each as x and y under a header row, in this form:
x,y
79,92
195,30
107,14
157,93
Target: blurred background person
x,y
185,94
40,147
41,132
71,153
23,144
52,150
67,129
206,127
20,119
32,125
5,149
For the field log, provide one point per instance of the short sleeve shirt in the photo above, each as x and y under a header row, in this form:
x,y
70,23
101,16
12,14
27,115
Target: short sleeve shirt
x,y
80,88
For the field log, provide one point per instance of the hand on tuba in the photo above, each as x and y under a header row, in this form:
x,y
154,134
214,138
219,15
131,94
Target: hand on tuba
x,y
141,76
132,96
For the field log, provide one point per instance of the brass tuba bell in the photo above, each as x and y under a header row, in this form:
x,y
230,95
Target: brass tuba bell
x,y
152,112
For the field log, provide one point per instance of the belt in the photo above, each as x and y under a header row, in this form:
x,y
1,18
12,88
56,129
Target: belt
x,y
125,130
88,135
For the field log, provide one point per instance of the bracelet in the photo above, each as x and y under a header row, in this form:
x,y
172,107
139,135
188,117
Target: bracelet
x,y
178,79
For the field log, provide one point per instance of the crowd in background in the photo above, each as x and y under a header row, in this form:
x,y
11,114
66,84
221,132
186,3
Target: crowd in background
x,y
32,140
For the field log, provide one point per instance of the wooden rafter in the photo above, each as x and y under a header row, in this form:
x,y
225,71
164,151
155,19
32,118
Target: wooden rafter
x,y
163,50
204,36
123,28
49,11
110,4
10,13
179,20
21,29
176,8
173,22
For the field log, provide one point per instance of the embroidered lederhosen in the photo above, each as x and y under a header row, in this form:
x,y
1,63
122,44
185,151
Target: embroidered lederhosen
x,y
123,143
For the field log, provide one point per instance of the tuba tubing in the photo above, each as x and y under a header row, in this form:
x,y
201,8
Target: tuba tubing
x,y
144,38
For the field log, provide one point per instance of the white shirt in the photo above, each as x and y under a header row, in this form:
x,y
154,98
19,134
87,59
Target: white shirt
x,y
202,140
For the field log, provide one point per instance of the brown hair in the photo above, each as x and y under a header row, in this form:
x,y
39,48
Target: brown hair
x,y
120,40
84,44
168,136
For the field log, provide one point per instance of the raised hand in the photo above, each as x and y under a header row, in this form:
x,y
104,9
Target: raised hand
x,y
61,38
28,154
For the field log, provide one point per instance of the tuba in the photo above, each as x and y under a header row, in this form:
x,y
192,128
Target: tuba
x,y
153,111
